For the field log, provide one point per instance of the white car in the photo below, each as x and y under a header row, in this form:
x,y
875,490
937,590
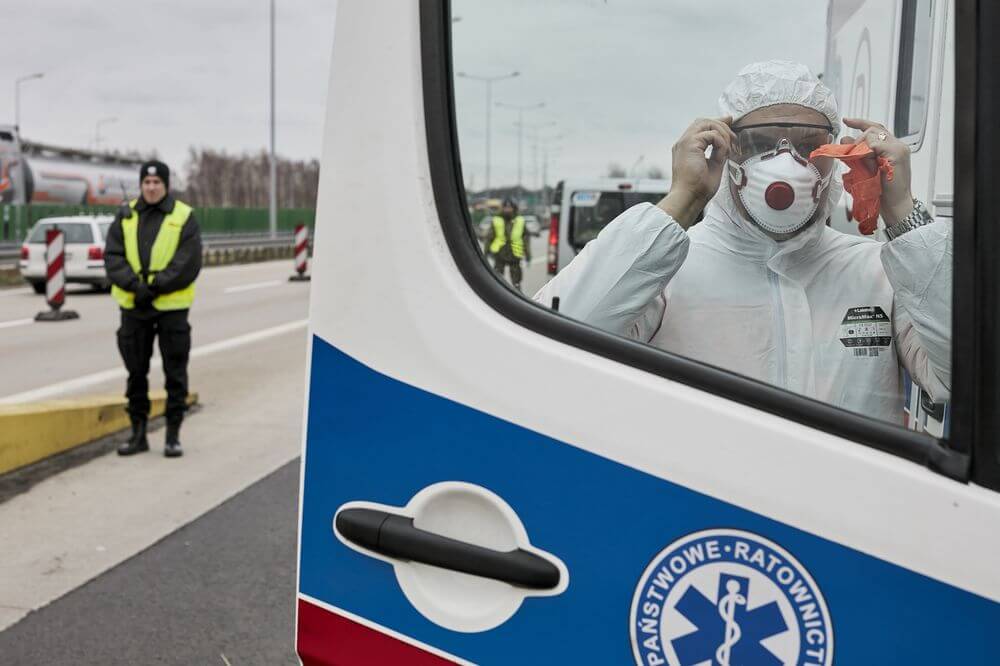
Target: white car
x,y
84,258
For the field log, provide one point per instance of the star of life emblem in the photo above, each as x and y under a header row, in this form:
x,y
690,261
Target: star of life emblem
x,y
728,597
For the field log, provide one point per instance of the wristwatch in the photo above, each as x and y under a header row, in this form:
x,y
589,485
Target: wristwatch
x,y
917,218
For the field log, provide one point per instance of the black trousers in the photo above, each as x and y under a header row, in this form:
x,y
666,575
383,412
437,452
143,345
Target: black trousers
x,y
135,343
514,266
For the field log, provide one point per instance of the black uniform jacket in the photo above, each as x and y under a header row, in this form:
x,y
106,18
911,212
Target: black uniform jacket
x,y
182,269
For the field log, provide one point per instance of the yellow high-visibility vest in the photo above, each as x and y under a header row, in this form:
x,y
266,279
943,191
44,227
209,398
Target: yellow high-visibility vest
x,y
164,248
516,236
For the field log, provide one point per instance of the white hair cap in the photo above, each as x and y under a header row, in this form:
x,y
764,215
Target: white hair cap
x,y
773,82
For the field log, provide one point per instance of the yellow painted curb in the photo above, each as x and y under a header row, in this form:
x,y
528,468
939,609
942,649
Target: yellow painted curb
x,y
34,431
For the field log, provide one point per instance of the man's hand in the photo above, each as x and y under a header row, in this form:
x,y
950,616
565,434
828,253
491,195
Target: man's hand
x,y
143,295
695,178
897,198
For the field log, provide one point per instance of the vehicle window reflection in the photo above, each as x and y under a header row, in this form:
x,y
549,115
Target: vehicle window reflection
x,y
752,211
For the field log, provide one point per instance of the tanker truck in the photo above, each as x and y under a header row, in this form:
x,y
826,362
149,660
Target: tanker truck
x,y
32,172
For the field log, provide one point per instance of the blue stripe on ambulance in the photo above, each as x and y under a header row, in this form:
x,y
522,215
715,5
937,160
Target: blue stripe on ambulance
x,y
374,438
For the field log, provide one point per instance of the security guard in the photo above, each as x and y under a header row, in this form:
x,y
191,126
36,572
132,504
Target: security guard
x,y
506,242
153,255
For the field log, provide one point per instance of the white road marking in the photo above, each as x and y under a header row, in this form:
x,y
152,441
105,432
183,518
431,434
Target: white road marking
x,y
60,388
255,285
16,322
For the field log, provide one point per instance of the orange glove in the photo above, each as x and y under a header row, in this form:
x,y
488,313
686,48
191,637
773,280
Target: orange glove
x,y
864,180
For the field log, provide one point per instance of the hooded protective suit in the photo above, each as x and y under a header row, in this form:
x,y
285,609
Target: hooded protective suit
x,y
827,315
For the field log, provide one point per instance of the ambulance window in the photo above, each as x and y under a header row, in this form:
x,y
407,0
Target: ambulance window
x,y
751,276
915,54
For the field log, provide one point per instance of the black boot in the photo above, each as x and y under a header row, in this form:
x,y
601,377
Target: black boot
x,y
137,443
173,449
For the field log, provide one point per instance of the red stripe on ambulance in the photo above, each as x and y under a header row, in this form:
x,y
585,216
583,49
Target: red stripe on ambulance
x,y
329,639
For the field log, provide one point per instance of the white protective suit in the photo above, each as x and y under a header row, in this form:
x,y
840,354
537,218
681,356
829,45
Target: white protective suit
x,y
801,314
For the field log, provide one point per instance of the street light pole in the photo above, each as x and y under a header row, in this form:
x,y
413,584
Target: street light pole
x,y
489,81
17,96
535,138
21,192
273,193
546,142
520,108
631,172
97,131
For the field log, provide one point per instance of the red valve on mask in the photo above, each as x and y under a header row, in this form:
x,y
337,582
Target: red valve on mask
x,y
779,195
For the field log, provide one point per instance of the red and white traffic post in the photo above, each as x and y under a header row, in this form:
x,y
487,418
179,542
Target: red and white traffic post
x,y
55,278
301,253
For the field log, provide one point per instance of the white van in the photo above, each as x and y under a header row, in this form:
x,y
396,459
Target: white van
x,y
582,207
918,37
85,236
487,481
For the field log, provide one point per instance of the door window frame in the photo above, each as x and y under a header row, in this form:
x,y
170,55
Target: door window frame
x,y
973,362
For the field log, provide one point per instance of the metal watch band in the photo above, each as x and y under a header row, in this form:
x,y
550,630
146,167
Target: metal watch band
x,y
917,218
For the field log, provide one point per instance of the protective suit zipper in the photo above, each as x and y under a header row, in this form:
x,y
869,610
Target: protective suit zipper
x,y
779,325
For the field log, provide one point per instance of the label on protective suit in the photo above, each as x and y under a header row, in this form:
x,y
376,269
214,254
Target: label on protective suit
x,y
866,330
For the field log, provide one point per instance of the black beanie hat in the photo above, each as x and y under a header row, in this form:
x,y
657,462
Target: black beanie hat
x,y
155,168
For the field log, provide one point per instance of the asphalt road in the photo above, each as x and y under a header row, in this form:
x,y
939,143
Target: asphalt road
x,y
230,301
220,590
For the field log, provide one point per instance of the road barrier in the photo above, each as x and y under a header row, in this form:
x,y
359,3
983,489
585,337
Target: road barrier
x,y
55,278
34,431
301,254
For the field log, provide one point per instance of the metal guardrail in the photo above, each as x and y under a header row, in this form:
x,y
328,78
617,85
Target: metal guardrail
x,y
10,252
246,240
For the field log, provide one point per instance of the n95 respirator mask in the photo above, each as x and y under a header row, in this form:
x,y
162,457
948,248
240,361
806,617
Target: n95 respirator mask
x,y
780,189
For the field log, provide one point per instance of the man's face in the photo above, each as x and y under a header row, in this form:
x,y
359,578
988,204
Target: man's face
x,y
786,113
508,211
153,189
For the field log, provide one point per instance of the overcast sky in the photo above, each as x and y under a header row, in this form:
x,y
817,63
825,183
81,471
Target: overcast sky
x,y
620,79
176,74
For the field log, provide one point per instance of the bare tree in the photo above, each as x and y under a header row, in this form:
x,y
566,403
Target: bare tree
x,y
616,170
216,178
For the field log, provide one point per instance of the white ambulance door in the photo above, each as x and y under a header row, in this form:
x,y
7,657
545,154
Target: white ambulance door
x,y
488,481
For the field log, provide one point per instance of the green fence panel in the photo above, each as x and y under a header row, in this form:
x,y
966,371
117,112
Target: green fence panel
x,y
15,221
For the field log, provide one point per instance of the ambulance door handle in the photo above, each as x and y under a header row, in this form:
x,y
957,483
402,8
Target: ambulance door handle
x,y
395,536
